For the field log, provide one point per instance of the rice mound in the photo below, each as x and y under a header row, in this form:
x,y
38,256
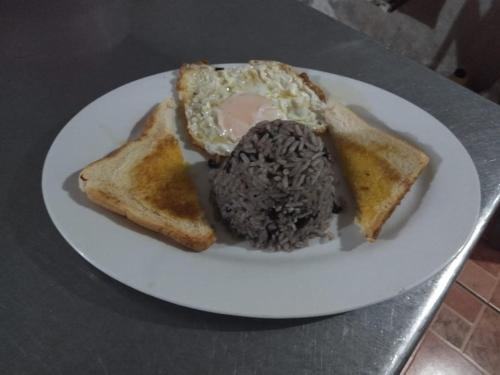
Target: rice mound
x,y
277,188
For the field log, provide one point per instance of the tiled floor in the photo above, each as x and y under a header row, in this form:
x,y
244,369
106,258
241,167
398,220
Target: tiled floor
x,y
464,337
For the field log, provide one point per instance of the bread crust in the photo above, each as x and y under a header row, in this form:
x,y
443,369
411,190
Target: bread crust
x,y
171,228
372,232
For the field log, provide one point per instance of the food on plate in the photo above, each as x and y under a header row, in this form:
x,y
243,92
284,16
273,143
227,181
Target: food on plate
x,y
277,188
147,181
379,168
275,183
221,104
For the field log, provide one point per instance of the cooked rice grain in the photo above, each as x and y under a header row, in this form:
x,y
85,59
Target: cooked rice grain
x,y
277,188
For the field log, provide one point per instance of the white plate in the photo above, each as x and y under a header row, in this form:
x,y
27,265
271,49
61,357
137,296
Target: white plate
x,y
426,231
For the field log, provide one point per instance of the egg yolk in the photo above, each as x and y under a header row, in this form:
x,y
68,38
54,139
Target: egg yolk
x,y
240,112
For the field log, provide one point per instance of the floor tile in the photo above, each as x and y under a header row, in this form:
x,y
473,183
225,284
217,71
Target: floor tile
x,y
484,344
436,357
463,302
477,279
451,327
495,299
486,257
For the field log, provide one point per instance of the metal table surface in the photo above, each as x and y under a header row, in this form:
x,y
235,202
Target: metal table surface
x,y
59,315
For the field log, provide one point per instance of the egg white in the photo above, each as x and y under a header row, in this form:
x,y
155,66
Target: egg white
x,y
209,87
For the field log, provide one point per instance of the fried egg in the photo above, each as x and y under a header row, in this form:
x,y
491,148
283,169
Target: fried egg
x,y
222,104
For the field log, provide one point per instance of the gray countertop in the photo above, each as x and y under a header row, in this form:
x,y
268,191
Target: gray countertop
x,y
59,315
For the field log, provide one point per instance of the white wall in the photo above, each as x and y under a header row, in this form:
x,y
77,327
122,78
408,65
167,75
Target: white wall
x,y
441,34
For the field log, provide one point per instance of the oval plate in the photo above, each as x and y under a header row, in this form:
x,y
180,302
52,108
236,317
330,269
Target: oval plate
x,y
419,239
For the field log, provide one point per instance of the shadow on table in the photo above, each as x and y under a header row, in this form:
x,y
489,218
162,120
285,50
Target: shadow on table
x,y
130,303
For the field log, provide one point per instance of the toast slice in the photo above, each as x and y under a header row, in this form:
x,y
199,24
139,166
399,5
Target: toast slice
x,y
203,89
379,168
147,181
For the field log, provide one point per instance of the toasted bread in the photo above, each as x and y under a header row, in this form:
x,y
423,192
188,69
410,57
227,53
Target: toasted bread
x,y
147,181
203,88
379,168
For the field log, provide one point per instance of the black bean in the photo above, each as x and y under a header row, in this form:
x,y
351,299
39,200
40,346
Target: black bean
x,y
273,215
337,208
212,163
301,223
